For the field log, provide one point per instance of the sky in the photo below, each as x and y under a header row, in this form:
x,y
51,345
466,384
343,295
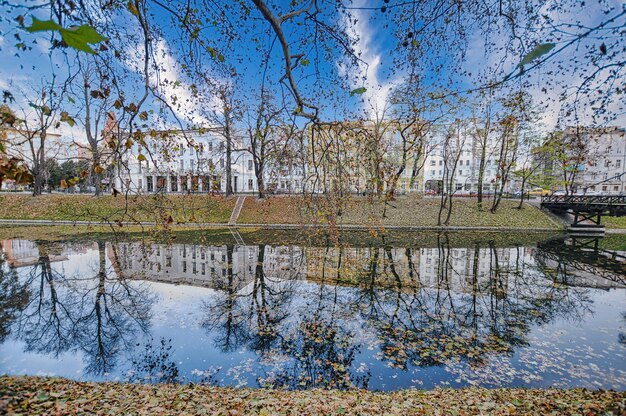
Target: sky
x,y
327,79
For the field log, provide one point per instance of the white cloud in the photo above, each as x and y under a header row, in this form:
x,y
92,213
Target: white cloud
x,y
369,72
172,87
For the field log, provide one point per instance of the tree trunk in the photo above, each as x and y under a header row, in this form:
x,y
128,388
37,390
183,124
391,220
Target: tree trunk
x,y
521,199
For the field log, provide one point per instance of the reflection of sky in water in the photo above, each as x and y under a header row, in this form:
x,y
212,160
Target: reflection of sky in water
x,y
569,340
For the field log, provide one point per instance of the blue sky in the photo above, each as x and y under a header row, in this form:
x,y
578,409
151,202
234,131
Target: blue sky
x,y
327,79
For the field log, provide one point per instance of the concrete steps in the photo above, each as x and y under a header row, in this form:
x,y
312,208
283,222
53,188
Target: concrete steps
x,y
236,211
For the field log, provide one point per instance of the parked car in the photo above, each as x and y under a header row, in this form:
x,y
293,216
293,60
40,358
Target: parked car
x,y
558,193
539,192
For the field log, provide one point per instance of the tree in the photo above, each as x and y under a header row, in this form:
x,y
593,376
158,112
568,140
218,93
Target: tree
x,y
568,152
451,149
94,97
533,157
33,131
267,133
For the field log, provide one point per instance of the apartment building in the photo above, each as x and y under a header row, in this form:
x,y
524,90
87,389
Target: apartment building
x,y
460,142
605,168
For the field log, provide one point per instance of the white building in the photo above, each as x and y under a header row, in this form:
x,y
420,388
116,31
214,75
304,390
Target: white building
x,y
463,139
186,161
605,170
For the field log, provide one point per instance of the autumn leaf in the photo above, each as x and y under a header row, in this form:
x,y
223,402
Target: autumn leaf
x,y
65,117
537,52
358,91
130,6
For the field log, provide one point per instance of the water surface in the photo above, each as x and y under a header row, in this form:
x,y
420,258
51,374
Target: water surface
x,y
365,313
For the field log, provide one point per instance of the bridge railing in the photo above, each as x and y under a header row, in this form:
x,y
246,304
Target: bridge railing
x,y
582,199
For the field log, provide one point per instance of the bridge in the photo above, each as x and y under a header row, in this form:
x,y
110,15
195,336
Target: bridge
x,y
580,260
586,208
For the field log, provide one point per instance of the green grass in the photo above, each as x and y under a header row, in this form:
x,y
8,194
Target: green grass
x,y
614,222
258,236
405,211
181,208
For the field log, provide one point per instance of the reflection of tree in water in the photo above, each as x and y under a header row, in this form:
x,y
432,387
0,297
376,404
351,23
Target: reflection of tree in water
x,y
490,314
111,313
97,315
47,324
321,356
226,313
14,296
249,317
155,365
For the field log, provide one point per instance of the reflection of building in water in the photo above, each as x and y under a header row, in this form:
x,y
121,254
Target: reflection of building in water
x,y
20,253
458,267
354,265
204,265
390,267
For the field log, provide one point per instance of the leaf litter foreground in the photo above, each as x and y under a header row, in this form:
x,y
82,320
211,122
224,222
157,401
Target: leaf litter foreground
x,y
36,395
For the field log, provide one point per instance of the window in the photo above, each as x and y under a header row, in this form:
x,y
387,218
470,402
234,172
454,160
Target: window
x,y
140,166
607,163
203,268
210,146
149,183
604,188
250,184
140,183
174,183
184,266
616,188
168,261
194,269
461,172
432,163
182,165
250,165
618,163
440,162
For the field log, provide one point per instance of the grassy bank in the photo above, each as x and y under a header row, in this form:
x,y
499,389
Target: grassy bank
x,y
406,211
409,210
614,222
272,237
33,395
182,208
